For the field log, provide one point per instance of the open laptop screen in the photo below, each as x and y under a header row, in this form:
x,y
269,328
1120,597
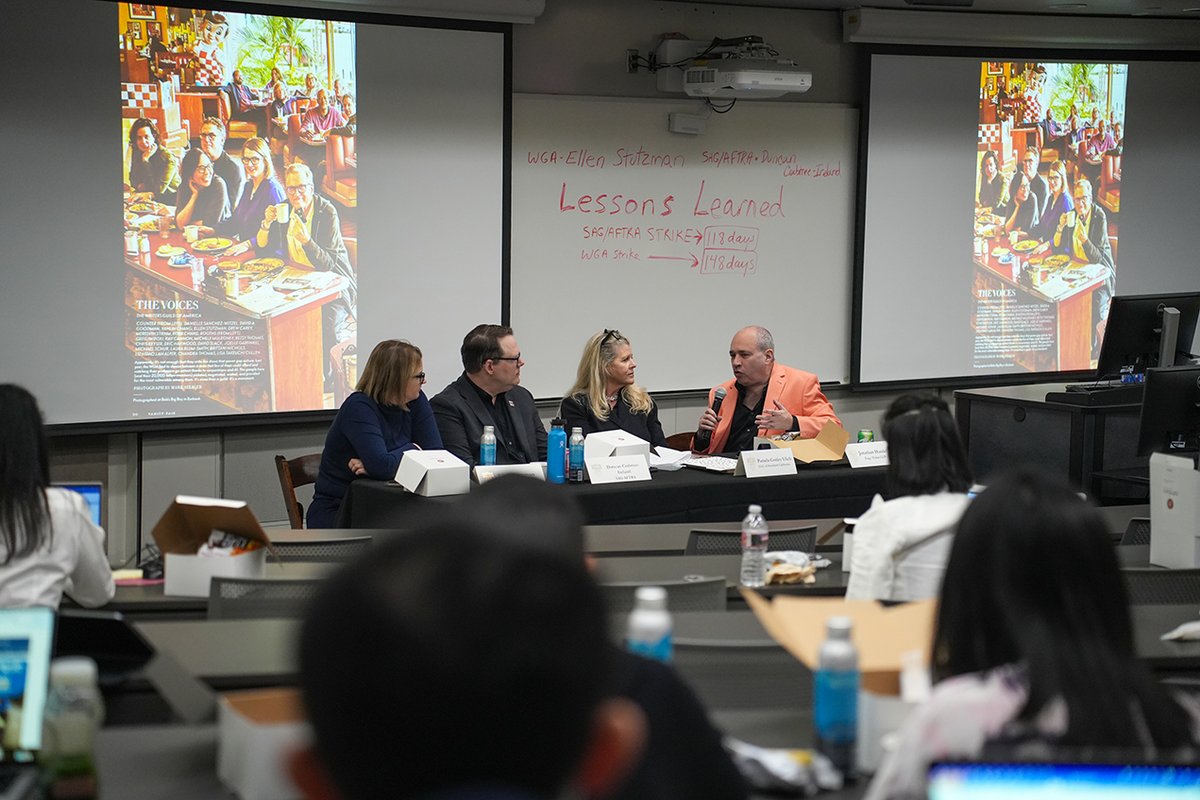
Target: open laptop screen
x,y
92,493
26,638
976,781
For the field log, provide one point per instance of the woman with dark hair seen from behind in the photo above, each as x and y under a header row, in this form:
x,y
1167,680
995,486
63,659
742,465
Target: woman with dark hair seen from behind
x,y
605,397
900,545
991,182
1033,651
387,415
153,171
48,542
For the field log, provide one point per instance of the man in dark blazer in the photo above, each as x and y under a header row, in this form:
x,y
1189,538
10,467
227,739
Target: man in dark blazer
x,y
488,393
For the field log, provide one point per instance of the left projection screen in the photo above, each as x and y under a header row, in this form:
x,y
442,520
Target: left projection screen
x,y
137,285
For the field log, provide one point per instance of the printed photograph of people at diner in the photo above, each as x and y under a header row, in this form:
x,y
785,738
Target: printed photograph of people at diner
x,y
1047,212
240,220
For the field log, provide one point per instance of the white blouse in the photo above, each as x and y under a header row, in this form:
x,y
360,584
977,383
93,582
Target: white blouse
x,y
72,560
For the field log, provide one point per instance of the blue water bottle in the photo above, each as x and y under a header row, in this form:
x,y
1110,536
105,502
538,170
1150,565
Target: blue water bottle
x,y
556,452
487,446
835,695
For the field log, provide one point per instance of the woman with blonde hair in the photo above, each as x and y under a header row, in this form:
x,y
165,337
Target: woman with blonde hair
x,y
605,397
386,416
260,190
1058,203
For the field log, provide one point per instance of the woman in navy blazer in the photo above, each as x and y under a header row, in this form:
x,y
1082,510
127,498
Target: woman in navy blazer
x,y
387,415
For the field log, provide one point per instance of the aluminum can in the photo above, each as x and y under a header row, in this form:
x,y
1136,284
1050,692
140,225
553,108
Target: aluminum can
x,y
866,435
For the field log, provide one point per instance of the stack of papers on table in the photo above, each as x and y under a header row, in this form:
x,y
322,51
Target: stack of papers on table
x,y
665,458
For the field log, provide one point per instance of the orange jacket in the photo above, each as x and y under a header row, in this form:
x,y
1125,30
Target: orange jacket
x,y
798,391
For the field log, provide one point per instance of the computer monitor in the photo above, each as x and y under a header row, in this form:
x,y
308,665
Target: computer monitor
x,y
1171,412
1063,781
1133,337
26,639
93,493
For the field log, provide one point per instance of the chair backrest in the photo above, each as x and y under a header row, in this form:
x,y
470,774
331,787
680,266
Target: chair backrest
x,y
259,598
292,473
680,441
1161,587
709,543
1137,531
703,595
322,550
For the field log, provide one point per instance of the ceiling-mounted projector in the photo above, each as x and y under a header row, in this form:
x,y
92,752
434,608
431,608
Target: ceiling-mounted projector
x,y
744,66
749,78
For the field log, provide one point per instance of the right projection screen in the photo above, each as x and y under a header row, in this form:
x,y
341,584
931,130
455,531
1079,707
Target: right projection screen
x,y
1004,207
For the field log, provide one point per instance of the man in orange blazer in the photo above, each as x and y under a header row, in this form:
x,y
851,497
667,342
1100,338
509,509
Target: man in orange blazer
x,y
764,398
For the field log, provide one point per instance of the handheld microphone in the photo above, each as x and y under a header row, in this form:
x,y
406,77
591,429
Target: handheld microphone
x,y
703,437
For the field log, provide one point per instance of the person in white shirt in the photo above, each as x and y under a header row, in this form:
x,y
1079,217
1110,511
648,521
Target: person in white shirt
x,y
48,542
901,544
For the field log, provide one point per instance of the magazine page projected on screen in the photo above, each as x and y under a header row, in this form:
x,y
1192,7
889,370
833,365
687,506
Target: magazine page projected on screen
x,y
238,134
1048,177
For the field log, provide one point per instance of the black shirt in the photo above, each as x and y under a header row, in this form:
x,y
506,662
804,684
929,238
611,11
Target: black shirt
x,y
502,420
743,428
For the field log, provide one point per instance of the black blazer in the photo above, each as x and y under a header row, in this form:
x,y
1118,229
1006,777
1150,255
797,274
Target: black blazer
x,y
576,412
461,415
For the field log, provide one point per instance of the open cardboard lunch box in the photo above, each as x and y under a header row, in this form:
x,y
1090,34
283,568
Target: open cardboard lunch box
x,y
186,525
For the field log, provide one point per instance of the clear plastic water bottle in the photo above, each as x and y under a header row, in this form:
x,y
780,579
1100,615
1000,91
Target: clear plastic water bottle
x,y
754,547
648,632
74,711
487,446
575,457
556,452
835,694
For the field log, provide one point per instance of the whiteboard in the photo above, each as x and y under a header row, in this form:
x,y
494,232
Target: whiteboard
x,y
679,240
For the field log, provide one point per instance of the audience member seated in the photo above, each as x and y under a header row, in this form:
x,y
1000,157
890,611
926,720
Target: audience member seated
x,y
1057,204
605,396
276,80
1033,650
1024,213
1087,240
991,182
489,393
901,544
153,171
310,87
246,103
203,200
48,542
350,127
1037,184
261,189
683,756
765,398
278,110
212,144
385,417
449,664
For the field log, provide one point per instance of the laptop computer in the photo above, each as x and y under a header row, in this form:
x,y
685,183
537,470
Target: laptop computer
x,y
1063,781
93,493
26,640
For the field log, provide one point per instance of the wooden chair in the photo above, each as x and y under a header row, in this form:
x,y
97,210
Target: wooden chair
x,y
295,472
680,441
707,594
711,542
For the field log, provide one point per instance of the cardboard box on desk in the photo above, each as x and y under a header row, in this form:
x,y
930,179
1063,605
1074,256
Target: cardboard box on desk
x,y
604,444
433,473
882,636
186,525
828,445
256,730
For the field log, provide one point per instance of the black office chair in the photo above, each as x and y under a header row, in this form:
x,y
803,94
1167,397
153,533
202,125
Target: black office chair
x,y
259,598
323,551
1137,531
712,543
702,595
1162,587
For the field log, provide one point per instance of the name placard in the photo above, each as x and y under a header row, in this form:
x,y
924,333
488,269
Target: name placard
x,y
867,454
762,463
618,469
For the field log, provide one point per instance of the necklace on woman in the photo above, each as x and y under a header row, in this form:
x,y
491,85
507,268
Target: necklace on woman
x,y
612,399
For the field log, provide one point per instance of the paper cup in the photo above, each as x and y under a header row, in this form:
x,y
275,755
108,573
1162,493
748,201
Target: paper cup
x,y
283,212
1071,219
191,233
